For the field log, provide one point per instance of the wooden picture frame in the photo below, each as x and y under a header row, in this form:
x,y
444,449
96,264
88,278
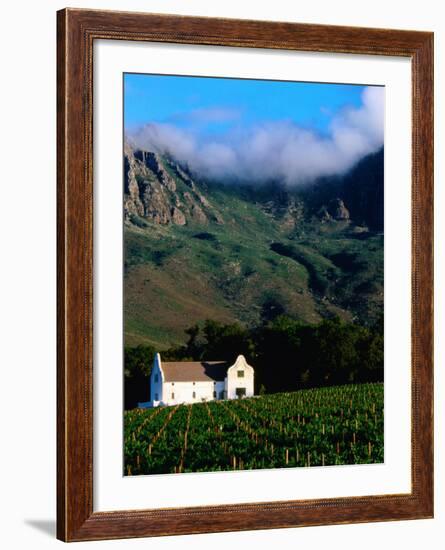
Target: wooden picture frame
x,y
77,31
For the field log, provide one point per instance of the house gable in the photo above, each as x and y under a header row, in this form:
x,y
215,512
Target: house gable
x,y
240,379
157,380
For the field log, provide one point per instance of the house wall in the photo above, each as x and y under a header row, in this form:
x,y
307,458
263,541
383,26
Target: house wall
x,y
233,381
190,392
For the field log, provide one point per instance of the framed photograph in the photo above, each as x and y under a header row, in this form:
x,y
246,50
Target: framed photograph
x,y
245,229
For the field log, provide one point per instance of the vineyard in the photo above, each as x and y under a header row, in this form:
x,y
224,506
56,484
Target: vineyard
x,y
318,427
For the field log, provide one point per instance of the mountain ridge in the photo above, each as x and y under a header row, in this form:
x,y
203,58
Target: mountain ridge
x,y
197,249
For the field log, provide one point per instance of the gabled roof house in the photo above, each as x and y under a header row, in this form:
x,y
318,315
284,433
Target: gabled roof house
x,y
174,382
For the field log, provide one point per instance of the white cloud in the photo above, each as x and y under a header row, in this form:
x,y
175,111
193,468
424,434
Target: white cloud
x,y
166,138
273,150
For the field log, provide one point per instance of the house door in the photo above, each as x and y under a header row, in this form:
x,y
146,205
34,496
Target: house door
x,y
240,392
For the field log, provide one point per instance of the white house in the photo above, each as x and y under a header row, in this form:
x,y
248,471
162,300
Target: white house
x,y
192,382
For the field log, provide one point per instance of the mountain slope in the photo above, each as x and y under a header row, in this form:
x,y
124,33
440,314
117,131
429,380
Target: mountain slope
x,y
197,250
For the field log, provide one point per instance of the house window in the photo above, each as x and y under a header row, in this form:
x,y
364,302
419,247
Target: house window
x,y
194,395
173,383
214,395
240,374
221,395
240,392
156,377
173,395
156,397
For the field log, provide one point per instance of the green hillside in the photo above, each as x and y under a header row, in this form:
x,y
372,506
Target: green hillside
x,y
233,253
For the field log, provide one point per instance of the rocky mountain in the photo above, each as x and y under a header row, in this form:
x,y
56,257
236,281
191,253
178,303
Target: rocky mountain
x,y
159,190
197,250
360,191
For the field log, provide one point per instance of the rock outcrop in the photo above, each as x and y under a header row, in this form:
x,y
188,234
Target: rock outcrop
x,y
338,210
334,211
159,190
356,197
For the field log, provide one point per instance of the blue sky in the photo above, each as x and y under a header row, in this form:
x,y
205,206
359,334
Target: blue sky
x,y
254,129
160,98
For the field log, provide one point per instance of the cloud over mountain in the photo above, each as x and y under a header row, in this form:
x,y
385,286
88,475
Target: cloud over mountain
x,y
270,150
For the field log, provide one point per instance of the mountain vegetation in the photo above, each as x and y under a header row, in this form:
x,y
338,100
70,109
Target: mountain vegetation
x,y
247,254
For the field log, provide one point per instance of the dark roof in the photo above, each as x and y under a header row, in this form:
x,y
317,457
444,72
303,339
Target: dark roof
x,y
196,371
